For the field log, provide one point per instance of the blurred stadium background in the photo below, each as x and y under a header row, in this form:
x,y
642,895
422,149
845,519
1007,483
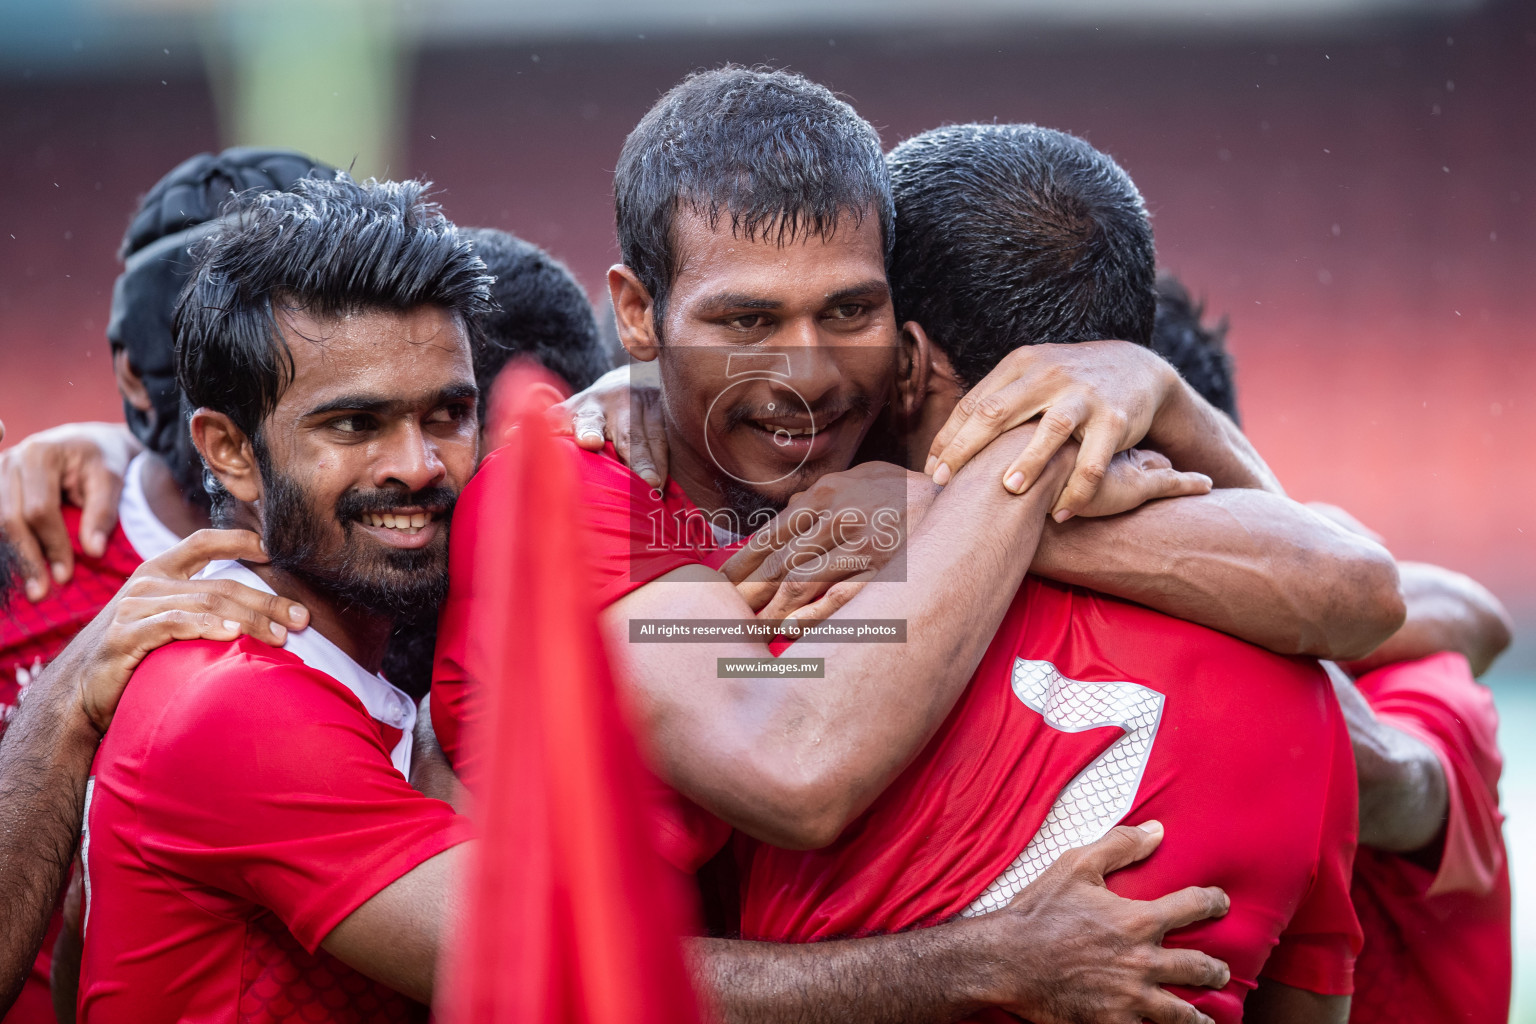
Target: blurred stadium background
x,y
1353,182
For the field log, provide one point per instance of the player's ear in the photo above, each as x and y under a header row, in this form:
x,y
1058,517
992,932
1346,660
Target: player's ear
x,y
227,453
634,311
914,367
129,382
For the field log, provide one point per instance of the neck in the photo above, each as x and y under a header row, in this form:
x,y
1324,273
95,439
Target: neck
x,y
170,506
361,635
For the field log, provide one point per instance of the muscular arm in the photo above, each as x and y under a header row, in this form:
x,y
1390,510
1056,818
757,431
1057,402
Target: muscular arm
x,y
1195,435
396,936
44,761
1065,950
1247,562
1403,798
1446,612
1274,1003
792,761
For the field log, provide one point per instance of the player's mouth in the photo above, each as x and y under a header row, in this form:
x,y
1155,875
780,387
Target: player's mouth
x,y
797,439
402,527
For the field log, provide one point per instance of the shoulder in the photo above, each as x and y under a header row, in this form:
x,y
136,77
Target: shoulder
x,y
1440,685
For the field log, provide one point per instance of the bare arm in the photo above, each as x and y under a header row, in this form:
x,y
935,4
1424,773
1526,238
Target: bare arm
x,y
396,936
1066,950
1247,562
1447,611
1403,798
1274,1003
792,761
47,751
1194,434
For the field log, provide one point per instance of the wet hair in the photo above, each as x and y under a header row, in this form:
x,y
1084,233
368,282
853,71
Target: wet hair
x,y
172,216
1013,234
779,155
542,313
331,247
1197,351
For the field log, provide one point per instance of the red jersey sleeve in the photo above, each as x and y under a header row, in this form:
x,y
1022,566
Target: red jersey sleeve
x,y
1437,701
271,783
1317,950
634,535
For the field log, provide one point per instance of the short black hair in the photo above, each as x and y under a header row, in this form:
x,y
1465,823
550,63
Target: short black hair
x,y
777,153
329,246
1013,234
1197,351
543,313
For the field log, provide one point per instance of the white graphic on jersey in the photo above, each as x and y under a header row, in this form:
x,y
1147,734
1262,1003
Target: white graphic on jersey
x,y
85,852
1101,794
24,678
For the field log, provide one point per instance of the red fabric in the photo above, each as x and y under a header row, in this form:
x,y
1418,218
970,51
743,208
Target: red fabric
x,y
571,916
243,805
1437,936
1250,771
31,635
629,537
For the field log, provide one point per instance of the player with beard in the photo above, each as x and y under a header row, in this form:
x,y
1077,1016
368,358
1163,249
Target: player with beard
x,y
93,550
252,847
739,236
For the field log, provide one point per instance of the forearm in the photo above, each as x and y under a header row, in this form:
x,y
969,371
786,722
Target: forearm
x,y
1247,562
791,761
1197,437
45,759
930,976
1447,611
1403,798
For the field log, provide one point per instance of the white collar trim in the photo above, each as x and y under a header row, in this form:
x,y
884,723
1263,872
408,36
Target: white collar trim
x,y
149,536
384,701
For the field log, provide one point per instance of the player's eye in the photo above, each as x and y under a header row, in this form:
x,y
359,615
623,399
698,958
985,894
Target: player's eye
x,y
846,311
355,423
452,413
747,322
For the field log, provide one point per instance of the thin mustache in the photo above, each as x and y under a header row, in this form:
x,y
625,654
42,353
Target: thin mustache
x,y
737,415
357,503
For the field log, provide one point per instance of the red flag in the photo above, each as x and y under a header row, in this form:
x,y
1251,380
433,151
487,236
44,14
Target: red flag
x,y
570,915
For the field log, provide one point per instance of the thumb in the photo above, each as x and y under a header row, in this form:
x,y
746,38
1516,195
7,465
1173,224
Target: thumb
x,y
1171,483
1122,846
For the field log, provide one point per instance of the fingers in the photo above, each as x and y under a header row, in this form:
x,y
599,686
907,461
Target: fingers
x,y
1167,1008
984,418
34,572
102,490
1185,907
839,594
1122,846
188,558
1171,483
656,438
158,610
589,425
1100,442
42,499
1057,426
791,596
1189,967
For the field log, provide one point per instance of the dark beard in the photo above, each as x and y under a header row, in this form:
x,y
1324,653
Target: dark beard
x,y
392,583
10,571
749,510
408,658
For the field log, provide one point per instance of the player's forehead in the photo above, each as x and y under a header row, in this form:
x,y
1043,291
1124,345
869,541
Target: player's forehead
x,y
392,355
717,264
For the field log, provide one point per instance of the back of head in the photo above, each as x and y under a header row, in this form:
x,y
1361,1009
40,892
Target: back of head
x,y
1012,234
779,155
170,218
543,314
1198,352
329,247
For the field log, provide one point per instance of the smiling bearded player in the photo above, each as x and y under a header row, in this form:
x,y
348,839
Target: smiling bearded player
x,y
252,846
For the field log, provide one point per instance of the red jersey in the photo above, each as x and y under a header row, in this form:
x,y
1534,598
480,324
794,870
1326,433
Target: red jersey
x,y
634,535
245,801
1087,712
1437,927
31,635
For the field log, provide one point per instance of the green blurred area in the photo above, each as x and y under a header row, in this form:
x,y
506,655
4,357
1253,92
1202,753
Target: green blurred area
x,y
1515,693
319,76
